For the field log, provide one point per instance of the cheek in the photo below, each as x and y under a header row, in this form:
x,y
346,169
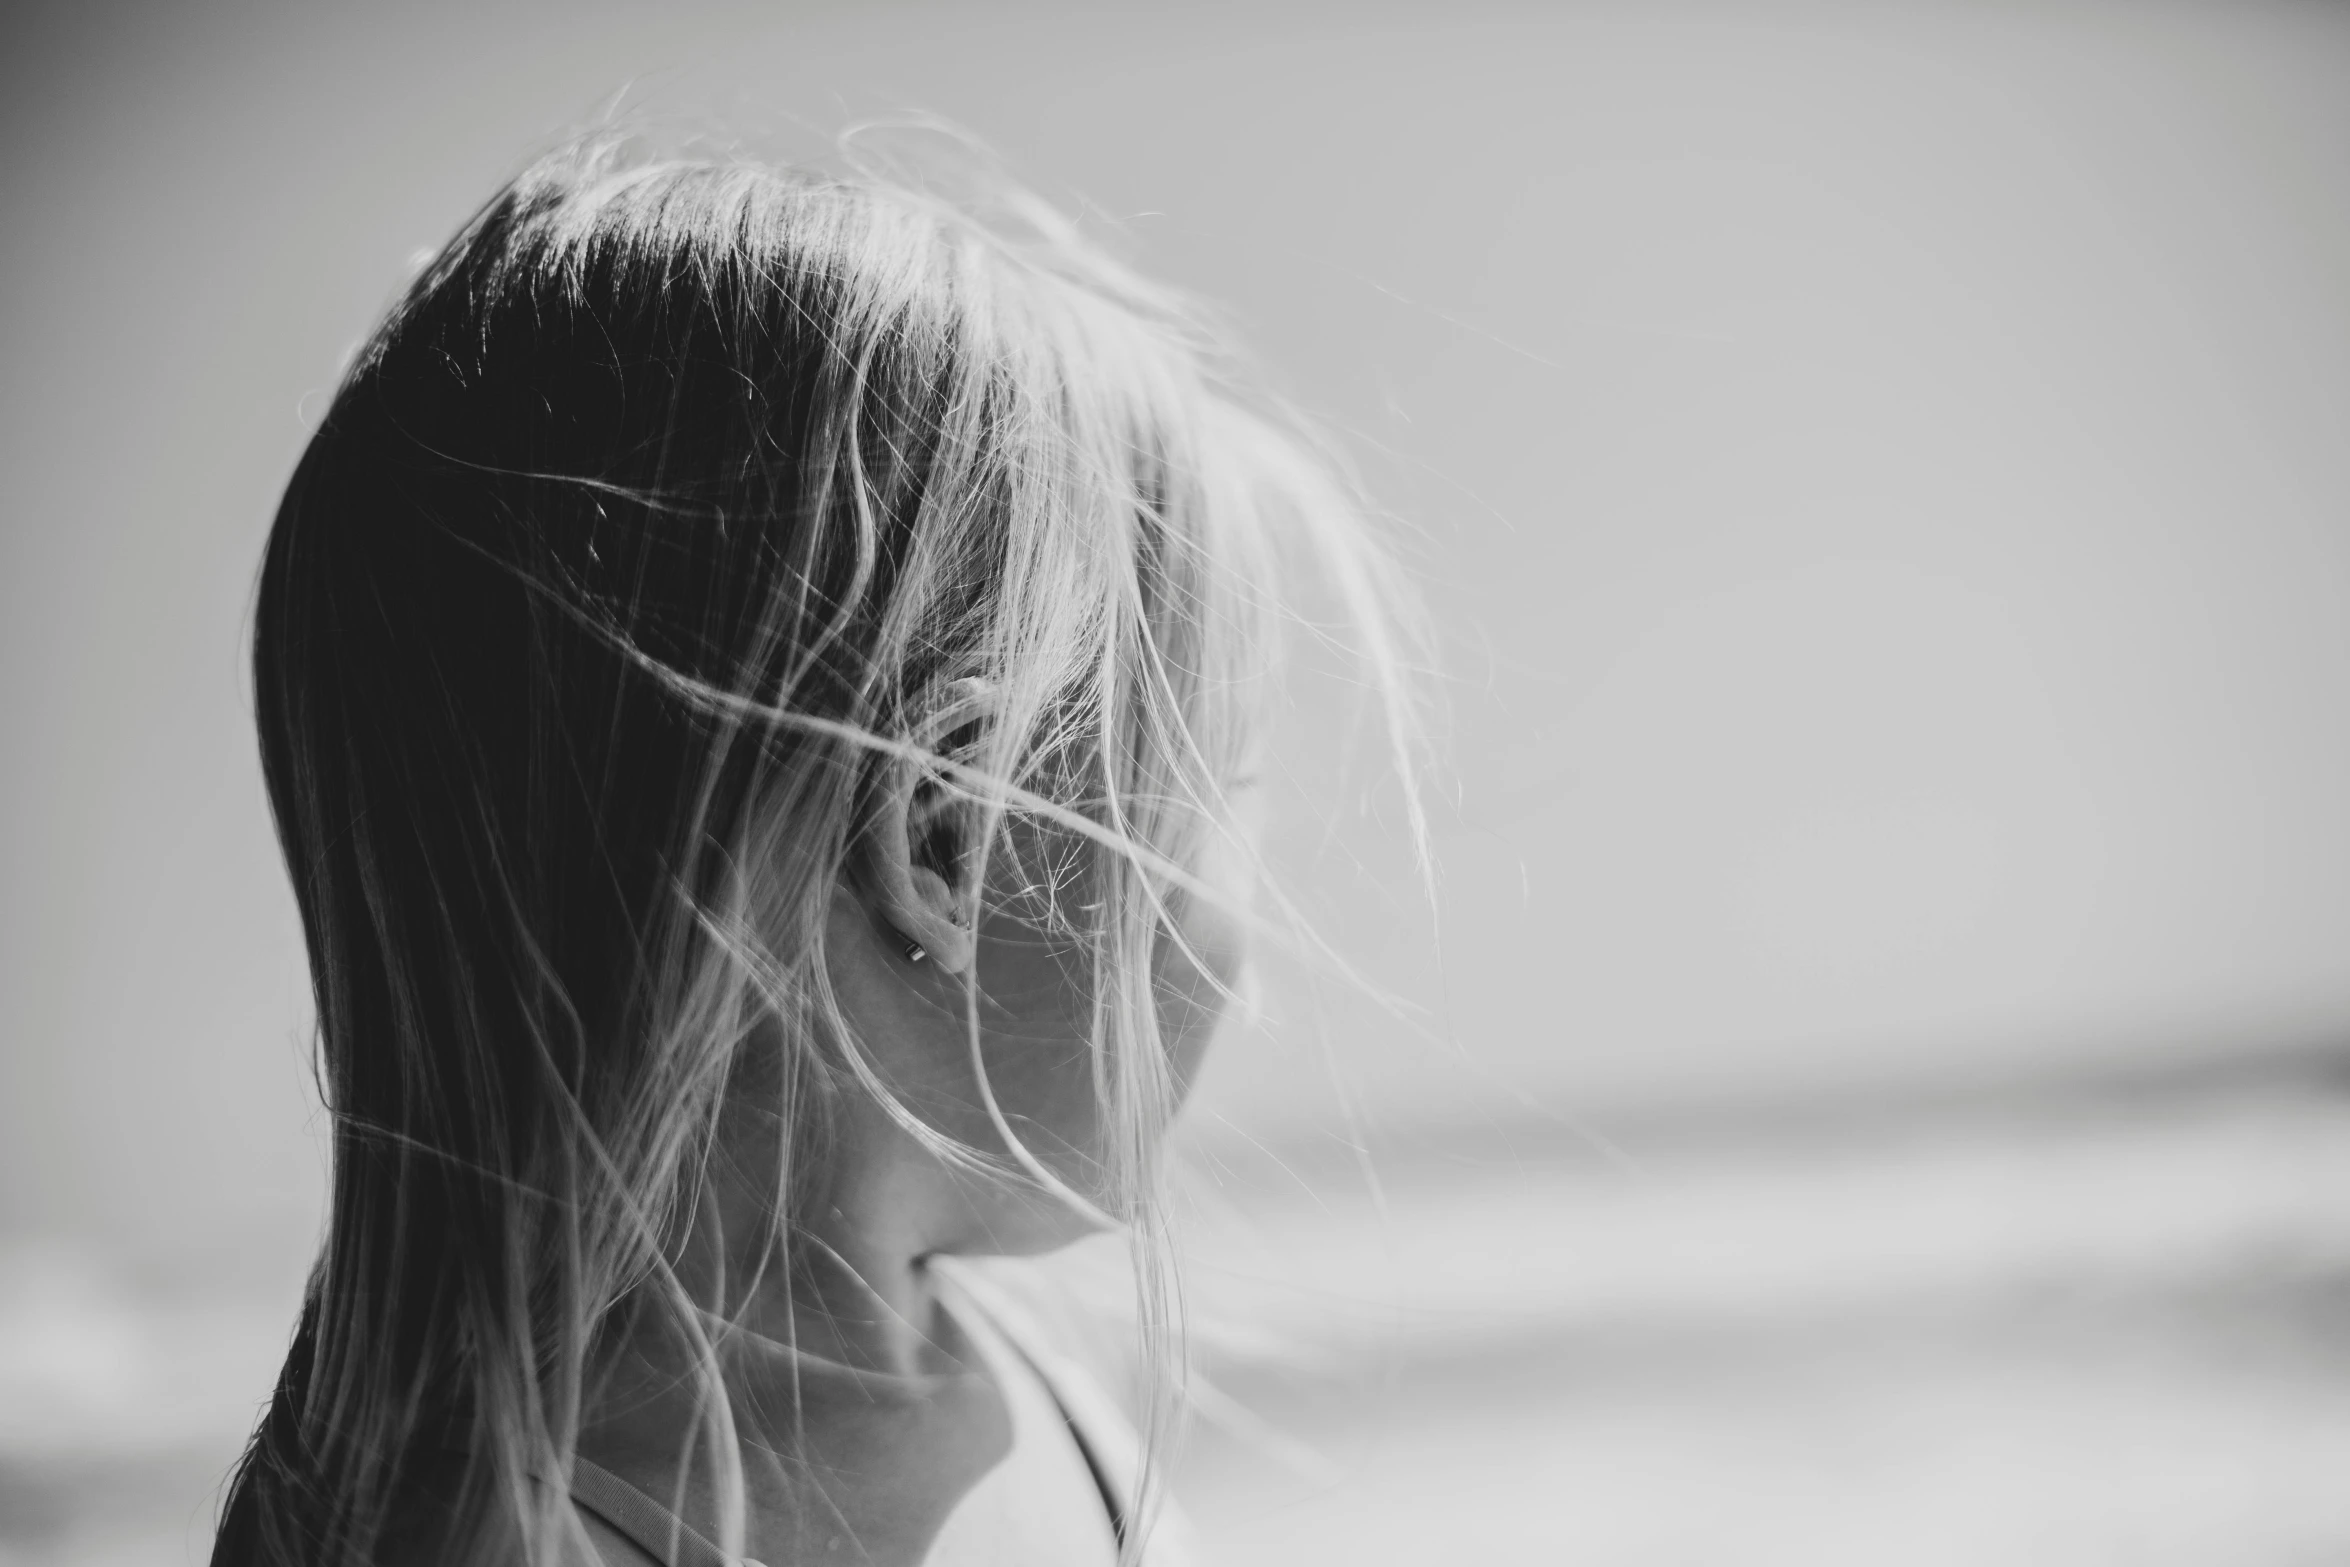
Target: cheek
x,y
1036,1014
1035,1010
1194,980
1197,978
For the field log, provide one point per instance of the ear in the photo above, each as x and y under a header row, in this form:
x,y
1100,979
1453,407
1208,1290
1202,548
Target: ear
x,y
916,860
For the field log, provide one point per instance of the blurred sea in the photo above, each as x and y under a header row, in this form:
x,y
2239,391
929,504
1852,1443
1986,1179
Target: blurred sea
x,y
2103,1322
2083,1324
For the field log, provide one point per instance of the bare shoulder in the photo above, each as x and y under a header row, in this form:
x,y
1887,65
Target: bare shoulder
x,y
423,1535
1077,1307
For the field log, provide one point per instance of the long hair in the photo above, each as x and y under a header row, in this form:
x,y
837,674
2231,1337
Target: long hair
x,y
671,501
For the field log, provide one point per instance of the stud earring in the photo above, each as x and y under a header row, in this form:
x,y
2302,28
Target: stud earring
x,y
914,952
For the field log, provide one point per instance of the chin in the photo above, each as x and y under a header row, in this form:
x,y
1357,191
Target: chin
x,y
1026,1223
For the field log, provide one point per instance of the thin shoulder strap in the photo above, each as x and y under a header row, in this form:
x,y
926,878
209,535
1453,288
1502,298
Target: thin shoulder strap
x,y
1103,1437
645,1523
1081,1431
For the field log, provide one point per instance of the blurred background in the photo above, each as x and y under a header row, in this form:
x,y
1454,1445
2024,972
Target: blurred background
x,y
1873,1081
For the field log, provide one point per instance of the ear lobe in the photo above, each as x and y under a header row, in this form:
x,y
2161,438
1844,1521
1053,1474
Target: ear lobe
x,y
906,843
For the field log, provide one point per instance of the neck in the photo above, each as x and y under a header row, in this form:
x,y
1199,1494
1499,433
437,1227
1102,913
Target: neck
x,y
856,1402
851,1291
853,1287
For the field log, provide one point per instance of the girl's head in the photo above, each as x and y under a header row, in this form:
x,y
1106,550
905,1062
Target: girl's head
x,y
743,644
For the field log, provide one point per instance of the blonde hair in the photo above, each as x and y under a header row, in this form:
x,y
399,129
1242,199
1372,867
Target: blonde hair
x,y
674,500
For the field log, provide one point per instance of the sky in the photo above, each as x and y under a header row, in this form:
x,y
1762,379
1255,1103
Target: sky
x,y
1876,472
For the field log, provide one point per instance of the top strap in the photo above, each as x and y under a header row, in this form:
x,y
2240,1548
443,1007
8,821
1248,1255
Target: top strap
x,y
1104,1435
645,1523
